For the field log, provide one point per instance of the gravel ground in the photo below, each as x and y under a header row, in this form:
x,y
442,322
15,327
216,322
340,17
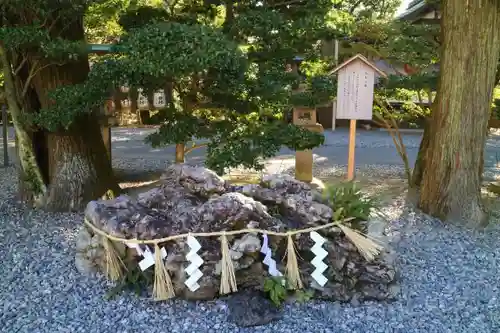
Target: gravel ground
x,y
450,281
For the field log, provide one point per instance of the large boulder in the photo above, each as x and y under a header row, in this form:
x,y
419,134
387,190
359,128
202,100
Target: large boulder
x,y
195,199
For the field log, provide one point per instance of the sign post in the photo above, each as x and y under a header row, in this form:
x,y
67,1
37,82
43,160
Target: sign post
x,y
352,145
356,79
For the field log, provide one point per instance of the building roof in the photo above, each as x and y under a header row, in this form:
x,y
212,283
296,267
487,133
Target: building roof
x,y
413,3
415,8
361,58
388,68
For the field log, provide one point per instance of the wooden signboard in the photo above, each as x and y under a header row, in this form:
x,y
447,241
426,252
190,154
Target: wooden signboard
x,y
356,79
355,91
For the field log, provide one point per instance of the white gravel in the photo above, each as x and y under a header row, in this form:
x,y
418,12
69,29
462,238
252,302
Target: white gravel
x,y
450,282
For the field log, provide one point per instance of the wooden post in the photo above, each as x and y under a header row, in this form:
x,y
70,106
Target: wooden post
x,y
334,114
304,165
334,102
5,124
304,159
356,78
352,146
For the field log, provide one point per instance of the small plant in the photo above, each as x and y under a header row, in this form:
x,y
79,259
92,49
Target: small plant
x,y
348,201
495,108
134,280
303,296
276,289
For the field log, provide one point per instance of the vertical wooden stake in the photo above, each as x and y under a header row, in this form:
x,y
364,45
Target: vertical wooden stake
x,y
334,114
352,145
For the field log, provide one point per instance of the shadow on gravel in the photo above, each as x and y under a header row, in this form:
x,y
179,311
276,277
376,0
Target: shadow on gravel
x,y
137,176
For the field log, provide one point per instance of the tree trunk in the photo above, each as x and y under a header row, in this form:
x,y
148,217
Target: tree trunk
x,y
117,101
151,100
179,153
33,185
79,166
451,180
169,94
134,108
418,169
229,17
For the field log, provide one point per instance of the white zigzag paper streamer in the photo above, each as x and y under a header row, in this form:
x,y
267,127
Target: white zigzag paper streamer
x,y
147,254
268,259
317,262
196,261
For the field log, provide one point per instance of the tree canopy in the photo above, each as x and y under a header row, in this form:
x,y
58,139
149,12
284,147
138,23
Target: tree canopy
x,y
229,82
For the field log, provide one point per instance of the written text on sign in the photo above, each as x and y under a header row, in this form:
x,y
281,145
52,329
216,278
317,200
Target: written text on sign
x,y
355,91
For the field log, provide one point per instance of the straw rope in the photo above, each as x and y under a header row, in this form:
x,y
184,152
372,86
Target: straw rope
x,y
227,277
217,233
292,266
163,288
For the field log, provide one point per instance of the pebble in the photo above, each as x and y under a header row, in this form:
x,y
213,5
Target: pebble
x,y
450,279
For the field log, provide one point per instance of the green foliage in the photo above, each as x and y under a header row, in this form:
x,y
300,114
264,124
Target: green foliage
x,y
409,112
320,89
23,36
228,85
134,280
496,108
234,96
370,8
38,41
367,36
101,20
348,201
303,296
275,287
1,86
177,50
414,82
139,17
250,141
415,44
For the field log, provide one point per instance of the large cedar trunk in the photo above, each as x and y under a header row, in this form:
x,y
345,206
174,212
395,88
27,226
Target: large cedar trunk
x,y
420,163
418,169
451,180
79,166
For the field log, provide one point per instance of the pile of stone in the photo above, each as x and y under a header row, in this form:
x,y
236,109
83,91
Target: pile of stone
x,y
196,199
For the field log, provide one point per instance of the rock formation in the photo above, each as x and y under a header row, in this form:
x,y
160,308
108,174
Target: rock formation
x,y
195,199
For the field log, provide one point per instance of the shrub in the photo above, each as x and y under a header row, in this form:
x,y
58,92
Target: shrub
x,y
348,201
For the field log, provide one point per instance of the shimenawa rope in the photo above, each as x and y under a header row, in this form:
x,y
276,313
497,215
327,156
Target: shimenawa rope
x,y
163,288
